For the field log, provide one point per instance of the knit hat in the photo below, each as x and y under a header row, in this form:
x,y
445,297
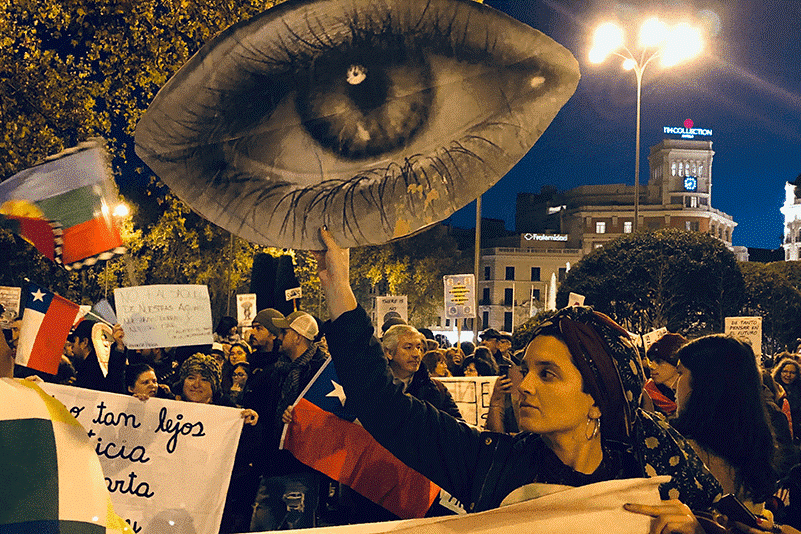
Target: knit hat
x,y
303,323
666,347
203,365
265,318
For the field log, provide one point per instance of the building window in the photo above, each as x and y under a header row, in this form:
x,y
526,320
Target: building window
x,y
691,226
484,320
628,227
562,274
485,296
535,294
510,273
673,169
600,227
447,322
467,324
691,202
508,295
535,274
675,200
507,321
487,273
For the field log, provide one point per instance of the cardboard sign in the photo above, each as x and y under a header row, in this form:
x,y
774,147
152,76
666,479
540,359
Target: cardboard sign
x,y
575,299
384,306
165,462
245,309
749,329
460,296
164,315
472,396
10,299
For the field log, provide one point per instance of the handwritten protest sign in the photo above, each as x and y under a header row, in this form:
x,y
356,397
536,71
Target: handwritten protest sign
x,y
749,329
164,315
165,462
472,396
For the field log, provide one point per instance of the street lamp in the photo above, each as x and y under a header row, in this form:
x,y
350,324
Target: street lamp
x,y
657,40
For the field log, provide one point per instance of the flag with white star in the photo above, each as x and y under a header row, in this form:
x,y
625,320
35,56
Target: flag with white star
x,y
326,437
46,322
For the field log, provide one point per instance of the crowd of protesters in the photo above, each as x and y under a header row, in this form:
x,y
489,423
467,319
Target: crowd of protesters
x,y
576,403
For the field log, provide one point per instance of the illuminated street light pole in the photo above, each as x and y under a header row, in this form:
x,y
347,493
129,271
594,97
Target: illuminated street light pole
x,y
673,45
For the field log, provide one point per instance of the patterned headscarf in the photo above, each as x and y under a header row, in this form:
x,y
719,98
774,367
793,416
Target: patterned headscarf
x,y
612,372
203,365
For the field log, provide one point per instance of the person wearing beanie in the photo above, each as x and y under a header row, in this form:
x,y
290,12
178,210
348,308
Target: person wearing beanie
x,y
662,358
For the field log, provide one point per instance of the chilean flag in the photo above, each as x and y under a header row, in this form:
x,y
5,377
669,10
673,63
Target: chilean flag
x,y
46,322
325,437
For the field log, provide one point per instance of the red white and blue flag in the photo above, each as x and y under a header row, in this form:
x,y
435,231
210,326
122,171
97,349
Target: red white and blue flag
x,y
324,436
46,322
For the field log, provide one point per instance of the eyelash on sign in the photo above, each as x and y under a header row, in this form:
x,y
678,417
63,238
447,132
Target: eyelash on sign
x,y
238,133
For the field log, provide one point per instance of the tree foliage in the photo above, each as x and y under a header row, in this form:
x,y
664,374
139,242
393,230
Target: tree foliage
x,y
773,292
686,281
412,266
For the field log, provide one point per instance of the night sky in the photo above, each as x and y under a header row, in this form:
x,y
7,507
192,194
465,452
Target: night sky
x,y
746,87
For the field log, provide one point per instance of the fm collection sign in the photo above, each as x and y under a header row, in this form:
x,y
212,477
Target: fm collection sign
x,y
687,131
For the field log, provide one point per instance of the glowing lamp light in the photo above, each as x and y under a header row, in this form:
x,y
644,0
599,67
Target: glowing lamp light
x,y
629,64
121,210
683,43
608,38
653,32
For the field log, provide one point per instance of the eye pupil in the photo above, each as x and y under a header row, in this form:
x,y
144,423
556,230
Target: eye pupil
x,y
360,108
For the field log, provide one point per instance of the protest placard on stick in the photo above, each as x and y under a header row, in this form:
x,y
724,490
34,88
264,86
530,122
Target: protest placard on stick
x,y
166,315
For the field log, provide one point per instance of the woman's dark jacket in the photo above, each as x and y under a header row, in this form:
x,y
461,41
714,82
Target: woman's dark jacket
x,y
478,468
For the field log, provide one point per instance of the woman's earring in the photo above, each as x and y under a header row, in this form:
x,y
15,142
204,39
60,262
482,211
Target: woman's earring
x,y
595,430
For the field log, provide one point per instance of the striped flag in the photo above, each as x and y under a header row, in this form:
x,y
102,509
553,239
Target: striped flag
x,y
46,322
325,437
73,190
52,480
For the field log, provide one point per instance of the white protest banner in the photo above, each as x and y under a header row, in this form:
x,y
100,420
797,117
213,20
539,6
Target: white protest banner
x,y
472,396
748,329
592,508
245,308
165,315
165,462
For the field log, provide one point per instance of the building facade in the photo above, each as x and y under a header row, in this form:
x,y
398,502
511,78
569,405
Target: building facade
x,y
557,229
792,221
678,194
516,283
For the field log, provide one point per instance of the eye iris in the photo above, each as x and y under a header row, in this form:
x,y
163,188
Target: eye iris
x,y
360,109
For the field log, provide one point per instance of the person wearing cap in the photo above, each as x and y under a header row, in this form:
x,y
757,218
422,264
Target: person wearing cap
x,y
264,340
491,339
299,361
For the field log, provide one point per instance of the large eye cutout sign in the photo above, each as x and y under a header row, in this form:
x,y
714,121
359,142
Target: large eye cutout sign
x,y
376,118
